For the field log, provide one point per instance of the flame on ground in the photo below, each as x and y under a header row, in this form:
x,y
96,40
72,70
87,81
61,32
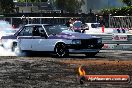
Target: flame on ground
x,y
81,71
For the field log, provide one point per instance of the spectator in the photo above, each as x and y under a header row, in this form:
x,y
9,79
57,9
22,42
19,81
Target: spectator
x,y
102,22
68,23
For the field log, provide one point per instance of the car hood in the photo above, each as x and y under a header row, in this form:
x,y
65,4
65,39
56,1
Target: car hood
x,y
71,35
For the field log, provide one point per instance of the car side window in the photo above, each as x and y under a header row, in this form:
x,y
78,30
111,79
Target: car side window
x,y
38,31
26,31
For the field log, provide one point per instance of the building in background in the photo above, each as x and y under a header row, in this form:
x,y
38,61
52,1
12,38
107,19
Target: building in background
x,y
95,5
36,7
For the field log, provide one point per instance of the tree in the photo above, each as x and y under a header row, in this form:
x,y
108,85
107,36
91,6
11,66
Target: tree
x,y
20,0
38,0
127,2
7,6
69,5
32,0
44,0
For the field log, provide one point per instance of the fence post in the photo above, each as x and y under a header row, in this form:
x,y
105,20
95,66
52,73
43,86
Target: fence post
x,y
11,20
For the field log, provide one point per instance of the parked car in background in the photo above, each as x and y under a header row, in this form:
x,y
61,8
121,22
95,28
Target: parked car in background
x,y
57,39
96,28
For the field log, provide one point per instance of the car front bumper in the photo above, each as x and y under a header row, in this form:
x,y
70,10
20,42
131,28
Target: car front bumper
x,y
84,49
81,51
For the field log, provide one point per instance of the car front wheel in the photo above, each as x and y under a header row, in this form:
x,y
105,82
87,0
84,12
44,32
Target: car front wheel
x,y
61,50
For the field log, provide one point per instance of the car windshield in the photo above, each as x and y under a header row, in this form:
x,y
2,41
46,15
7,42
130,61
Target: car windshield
x,y
56,29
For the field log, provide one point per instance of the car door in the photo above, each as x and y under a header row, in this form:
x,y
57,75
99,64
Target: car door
x,y
42,42
39,39
25,38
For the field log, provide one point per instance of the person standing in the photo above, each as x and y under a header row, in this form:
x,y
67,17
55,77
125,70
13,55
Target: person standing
x,y
102,23
68,23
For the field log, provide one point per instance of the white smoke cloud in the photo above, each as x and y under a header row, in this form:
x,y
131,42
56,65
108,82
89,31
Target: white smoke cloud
x,y
6,52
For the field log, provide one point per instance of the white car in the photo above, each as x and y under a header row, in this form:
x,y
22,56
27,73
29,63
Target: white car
x,y
96,28
56,39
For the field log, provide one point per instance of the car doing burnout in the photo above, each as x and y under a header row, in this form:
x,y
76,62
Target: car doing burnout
x,y
57,39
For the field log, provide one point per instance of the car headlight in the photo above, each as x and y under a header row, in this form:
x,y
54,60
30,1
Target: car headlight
x,y
99,40
76,41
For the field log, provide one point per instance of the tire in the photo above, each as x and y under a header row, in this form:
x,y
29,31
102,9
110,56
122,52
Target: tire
x,y
16,49
91,54
14,45
2,46
61,50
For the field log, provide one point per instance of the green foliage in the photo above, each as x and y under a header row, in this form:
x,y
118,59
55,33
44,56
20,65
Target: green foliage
x,y
7,6
21,0
44,0
32,0
127,2
69,5
127,10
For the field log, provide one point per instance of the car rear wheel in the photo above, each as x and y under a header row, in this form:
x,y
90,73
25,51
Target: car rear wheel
x,y
14,45
91,54
61,50
16,49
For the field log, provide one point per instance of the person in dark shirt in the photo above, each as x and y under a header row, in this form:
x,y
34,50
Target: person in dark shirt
x,y
70,22
102,22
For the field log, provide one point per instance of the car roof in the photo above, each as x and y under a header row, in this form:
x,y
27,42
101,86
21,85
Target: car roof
x,y
36,24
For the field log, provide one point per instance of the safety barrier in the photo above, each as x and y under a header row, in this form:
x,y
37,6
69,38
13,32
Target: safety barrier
x,y
117,41
120,30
